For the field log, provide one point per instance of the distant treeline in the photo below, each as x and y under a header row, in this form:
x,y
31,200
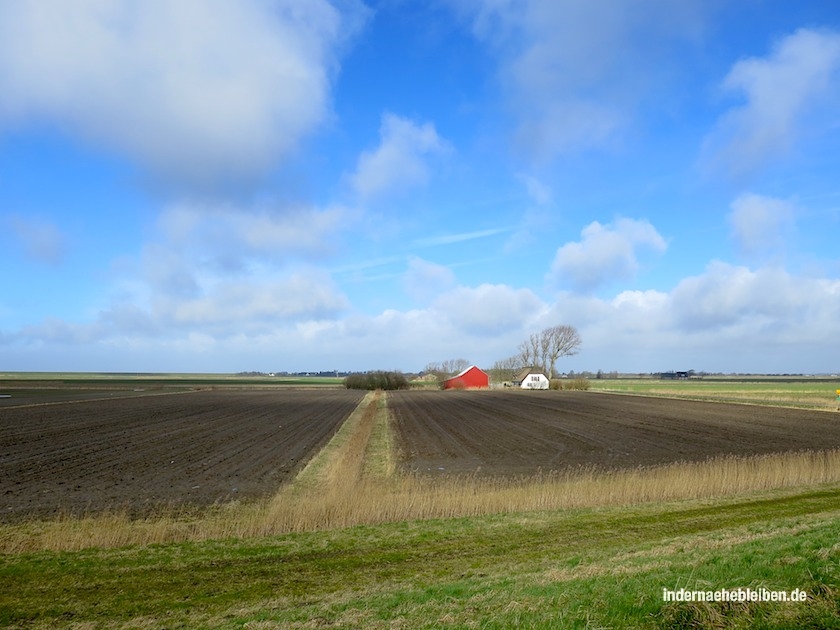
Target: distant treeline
x,y
376,380
321,374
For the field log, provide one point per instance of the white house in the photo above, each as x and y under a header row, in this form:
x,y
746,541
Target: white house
x,y
530,378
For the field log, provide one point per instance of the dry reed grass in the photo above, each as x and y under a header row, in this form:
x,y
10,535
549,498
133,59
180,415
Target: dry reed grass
x,y
353,481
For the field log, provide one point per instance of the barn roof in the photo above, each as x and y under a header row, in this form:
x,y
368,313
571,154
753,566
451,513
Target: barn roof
x,y
464,371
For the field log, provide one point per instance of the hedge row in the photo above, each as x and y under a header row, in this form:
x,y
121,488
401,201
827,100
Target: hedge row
x,y
376,380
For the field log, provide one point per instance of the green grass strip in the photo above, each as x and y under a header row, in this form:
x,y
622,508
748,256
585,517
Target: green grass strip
x,y
582,568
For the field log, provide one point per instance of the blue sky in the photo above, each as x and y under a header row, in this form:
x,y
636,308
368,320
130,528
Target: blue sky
x,y
226,185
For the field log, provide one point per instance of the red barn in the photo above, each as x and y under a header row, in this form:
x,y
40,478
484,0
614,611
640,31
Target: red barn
x,y
468,379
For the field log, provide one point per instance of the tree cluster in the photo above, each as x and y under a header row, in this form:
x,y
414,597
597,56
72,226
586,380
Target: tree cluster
x,y
376,380
444,369
541,350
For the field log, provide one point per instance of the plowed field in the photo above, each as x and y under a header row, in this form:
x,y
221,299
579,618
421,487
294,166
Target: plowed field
x,y
514,432
146,452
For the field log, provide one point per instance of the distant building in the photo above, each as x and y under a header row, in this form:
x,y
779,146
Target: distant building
x,y
470,378
530,378
676,376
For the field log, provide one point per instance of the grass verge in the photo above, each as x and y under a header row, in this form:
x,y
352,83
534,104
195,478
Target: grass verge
x,y
583,568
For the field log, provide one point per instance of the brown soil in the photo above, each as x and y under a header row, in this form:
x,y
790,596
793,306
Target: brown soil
x,y
512,432
140,454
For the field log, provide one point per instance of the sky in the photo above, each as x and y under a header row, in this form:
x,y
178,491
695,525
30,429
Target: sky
x,y
293,185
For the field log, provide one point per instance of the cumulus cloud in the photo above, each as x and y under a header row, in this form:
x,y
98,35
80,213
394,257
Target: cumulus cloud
x,y
169,271
482,323
727,318
400,160
605,253
761,320
243,306
801,73
761,225
41,240
489,309
574,71
221,270
229,235
193,90
730,296
423,280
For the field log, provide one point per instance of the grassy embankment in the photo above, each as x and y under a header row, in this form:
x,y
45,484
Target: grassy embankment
x,y
517,559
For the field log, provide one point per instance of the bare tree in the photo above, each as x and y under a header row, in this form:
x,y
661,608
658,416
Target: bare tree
x,y
455,366
561,341
445,369
541,350
529,352
505,369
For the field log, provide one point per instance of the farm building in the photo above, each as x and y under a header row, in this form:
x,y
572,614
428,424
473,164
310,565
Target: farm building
x,y
470,378
530,378
676,376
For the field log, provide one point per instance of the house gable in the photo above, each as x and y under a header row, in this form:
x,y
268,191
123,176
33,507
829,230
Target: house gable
x,y
530,378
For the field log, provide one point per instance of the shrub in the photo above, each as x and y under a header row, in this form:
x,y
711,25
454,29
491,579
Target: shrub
x,y
578,383
376,380
555,383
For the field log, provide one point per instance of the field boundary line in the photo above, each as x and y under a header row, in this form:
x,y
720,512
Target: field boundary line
x,y
89,400
722,401
334,451
380,458
322,495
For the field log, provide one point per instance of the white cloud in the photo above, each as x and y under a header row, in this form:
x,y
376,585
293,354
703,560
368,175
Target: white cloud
x,y
605,253
400,160
169,271
801,73
216,309
220,268
734,297
727,318
423,280
41,240
193,90
489,309
761,225
247,305
482,324
575,71
229,235
222,271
